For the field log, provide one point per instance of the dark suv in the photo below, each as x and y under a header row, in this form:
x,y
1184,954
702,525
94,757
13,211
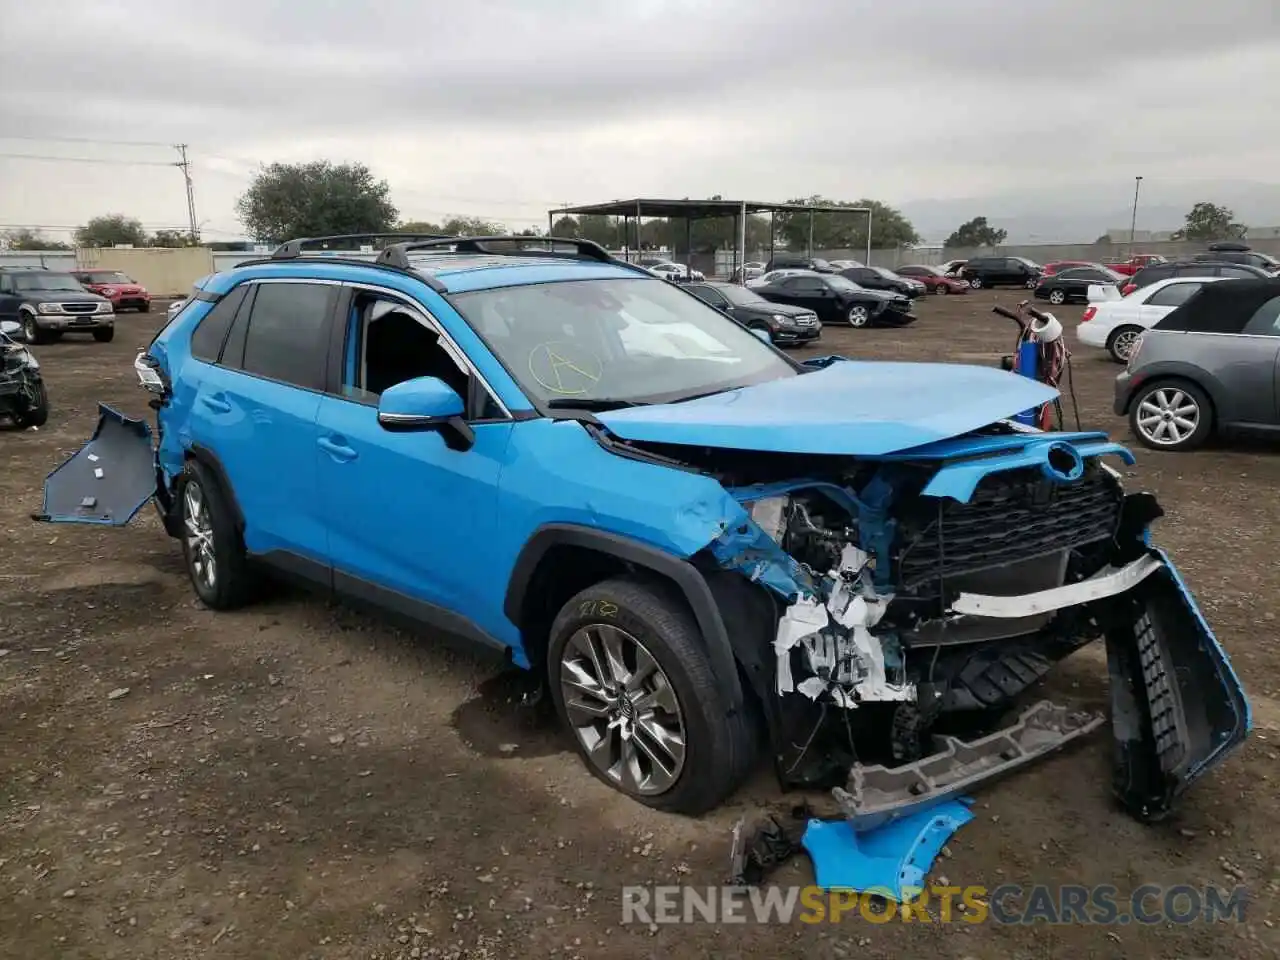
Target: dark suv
x,y
1192,268
794,261
49,303
1002,272
1231,252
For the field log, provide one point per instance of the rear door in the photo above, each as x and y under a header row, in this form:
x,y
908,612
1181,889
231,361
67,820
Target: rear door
x,y
255,409
1263,329
9,299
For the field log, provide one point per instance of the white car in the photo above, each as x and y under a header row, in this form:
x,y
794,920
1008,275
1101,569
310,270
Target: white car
x,y
772,275
673,271
1115,323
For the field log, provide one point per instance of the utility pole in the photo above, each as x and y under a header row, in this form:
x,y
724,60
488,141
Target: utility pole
x,y
1133,224
185,166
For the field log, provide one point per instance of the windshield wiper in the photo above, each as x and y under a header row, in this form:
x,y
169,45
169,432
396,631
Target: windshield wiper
x,y
590,403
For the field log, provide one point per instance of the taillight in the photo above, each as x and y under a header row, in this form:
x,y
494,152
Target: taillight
x,y
1089,314
1128,289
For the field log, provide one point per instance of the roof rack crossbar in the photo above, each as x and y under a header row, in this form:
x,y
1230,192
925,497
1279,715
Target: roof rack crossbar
x,y
429,280
586,249
295,248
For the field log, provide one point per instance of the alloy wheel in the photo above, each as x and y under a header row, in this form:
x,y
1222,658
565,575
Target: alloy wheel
x,y
30,332
942,289
1122,344
1168,416
976,283
1057,297
623,709
858,316
1030,284
199,537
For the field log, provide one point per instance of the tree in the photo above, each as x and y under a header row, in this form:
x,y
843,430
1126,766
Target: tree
x,y
25,238
111,230
171,238
418,226
1208,221
316,199
1103,241
976,233
472,227
845,231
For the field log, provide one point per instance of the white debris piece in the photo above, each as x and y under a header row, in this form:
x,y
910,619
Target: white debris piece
x,y
847,660
97,472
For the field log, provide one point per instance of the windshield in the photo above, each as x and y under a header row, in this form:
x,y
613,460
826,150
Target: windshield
x,y
109,276
842,283
740,296
637,340
44,280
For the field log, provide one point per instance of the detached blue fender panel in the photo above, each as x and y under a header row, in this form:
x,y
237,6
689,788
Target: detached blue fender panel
x,y
691,583
109,479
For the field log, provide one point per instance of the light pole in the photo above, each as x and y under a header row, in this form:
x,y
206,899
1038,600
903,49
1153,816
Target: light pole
x,y
1133,224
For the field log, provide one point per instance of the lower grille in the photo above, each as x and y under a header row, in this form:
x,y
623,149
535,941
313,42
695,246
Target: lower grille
x,y
1012,517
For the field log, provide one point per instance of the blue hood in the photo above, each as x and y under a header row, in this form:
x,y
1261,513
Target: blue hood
x,y
853,408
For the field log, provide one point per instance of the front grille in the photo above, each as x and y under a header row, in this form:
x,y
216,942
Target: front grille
x,y
80,307
1012,517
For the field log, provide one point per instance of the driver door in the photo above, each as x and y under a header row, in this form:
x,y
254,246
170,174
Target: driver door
x,y
412,521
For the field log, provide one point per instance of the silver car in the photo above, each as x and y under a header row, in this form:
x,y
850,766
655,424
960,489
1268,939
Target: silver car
x,y
1209,366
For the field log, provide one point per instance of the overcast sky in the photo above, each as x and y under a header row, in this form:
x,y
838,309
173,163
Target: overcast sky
x,y
501,108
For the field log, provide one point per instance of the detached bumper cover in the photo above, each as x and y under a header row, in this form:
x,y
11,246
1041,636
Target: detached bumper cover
x,y
108,480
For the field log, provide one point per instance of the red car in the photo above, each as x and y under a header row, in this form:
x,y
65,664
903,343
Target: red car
x,y
934,279
1135,263
123,293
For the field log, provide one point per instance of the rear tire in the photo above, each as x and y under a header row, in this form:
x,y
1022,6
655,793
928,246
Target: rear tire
x,y
145,308
941,290
646,627
104,334
1057,297
1121,342
1031,284
976,283
211,544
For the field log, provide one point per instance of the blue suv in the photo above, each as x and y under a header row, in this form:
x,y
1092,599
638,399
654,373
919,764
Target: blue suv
x,y
701,546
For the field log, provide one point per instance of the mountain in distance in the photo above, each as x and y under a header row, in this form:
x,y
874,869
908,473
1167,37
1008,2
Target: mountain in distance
x,y
1079,214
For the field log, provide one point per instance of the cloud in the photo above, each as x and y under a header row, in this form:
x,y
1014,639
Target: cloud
x,y
503,107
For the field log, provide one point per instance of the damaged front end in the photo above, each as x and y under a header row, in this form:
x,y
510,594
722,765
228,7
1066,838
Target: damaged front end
x,y
918,595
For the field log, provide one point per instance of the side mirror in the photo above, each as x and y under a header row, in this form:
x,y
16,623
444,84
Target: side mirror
x,y
9,328
426,403
762,335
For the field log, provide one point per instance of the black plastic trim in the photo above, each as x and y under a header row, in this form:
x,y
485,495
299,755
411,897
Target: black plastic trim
x,y
683,574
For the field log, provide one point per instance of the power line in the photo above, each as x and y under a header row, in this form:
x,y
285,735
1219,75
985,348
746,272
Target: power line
x,y
112,160
114,143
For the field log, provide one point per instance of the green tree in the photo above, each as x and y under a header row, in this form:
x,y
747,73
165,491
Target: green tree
x,y
287,200
975,233
1208,221
111,230
845,231
1103,241
418,226
472,227
171,238
25,238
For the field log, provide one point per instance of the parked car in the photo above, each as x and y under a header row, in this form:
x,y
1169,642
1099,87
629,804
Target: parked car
x,y
1190,268
1073,285
124,293
785,325
1231,252
836,299
48,303
1116,324
1001,272
1057,266
748,271
935,279
24,399
1208,366
1132,265
773,275
845,264
678,272
795,261
952,268
878,278
676,540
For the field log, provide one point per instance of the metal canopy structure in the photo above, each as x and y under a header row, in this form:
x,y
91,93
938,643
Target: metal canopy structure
x,y
690,210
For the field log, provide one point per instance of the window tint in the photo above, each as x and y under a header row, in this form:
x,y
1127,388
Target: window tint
x,y
211,333
1265,321
707,295
1174,295
6,285
804,285
1236,273
287,333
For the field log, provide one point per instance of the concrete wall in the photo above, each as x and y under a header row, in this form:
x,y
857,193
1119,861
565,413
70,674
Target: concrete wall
x,y
165,271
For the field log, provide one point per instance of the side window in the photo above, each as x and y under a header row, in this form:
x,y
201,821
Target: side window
x,y
1174,295
389,342
211,332
6,283
707,295
1235,273
287,339
1265,321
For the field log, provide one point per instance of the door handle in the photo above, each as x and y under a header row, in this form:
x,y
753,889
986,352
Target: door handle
x,y
339,451
216,404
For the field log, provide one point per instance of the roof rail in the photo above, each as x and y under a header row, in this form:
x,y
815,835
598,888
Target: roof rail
x,y
397,254
429,280
292,249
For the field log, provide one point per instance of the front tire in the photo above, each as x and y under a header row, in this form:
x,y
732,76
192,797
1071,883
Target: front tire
x,y
36,415
941,290
1057,297
859,315
1171,415
104,334
1031,284
632,682
764,327
31,331
211,544
976,283
145,308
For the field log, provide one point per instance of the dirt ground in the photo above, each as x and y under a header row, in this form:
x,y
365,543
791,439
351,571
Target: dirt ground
x,y
301,780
